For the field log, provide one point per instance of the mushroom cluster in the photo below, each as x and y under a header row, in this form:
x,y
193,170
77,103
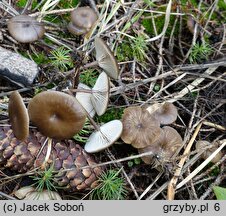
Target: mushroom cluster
x,y
95,100
60,116
141,129
26,29
82,20
57,115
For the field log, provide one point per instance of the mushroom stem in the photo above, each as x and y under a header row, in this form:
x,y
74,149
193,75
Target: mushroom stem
x,y
95,125
88,91
91,64
82,90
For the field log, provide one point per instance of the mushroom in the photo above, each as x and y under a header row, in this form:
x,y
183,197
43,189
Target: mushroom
x,y
152,108
25,29
75,30
166,113
43,195
84,99
164,148
18,116
104,137
191,25
100,94
104,59
200,145
30,193
57,114
139,127
82,20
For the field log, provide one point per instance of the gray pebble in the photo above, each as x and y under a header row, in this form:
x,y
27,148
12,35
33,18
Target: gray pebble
x,y
17,68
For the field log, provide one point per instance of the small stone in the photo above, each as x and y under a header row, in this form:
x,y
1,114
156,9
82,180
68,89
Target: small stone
x,y
17,68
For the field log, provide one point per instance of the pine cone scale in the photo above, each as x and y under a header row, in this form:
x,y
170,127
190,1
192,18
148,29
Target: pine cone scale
x,y
25,156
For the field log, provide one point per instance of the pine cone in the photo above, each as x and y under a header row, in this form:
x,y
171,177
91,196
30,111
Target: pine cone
x,y
22,157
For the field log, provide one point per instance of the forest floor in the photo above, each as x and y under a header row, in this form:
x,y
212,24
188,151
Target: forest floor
x,y
167,51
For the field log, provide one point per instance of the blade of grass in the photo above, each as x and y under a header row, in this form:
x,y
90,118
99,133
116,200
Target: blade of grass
x,y
167,19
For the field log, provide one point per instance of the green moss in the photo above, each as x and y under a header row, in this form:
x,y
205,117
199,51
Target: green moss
x,y
133,48
53,19
200,53
111,114
124,52
68,3
148,25
215,171
89,77
184,3
61,59
159,24
83,134
48,41
40,58
22,3
222,5
157,87
135,161
111,186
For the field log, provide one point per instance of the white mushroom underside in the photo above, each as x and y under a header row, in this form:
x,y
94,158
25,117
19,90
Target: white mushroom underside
x,y
105,137
85,99
100,94
108,65
105,58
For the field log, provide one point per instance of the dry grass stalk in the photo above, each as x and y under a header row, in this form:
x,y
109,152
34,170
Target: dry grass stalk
x,y
173,181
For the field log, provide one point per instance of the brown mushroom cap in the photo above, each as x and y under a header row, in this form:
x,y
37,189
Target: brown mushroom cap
x,y
152,108
191,25
164,148
139,127
18,116
166,113
25,29
202,144
106,59
83,17
56,114
75,30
